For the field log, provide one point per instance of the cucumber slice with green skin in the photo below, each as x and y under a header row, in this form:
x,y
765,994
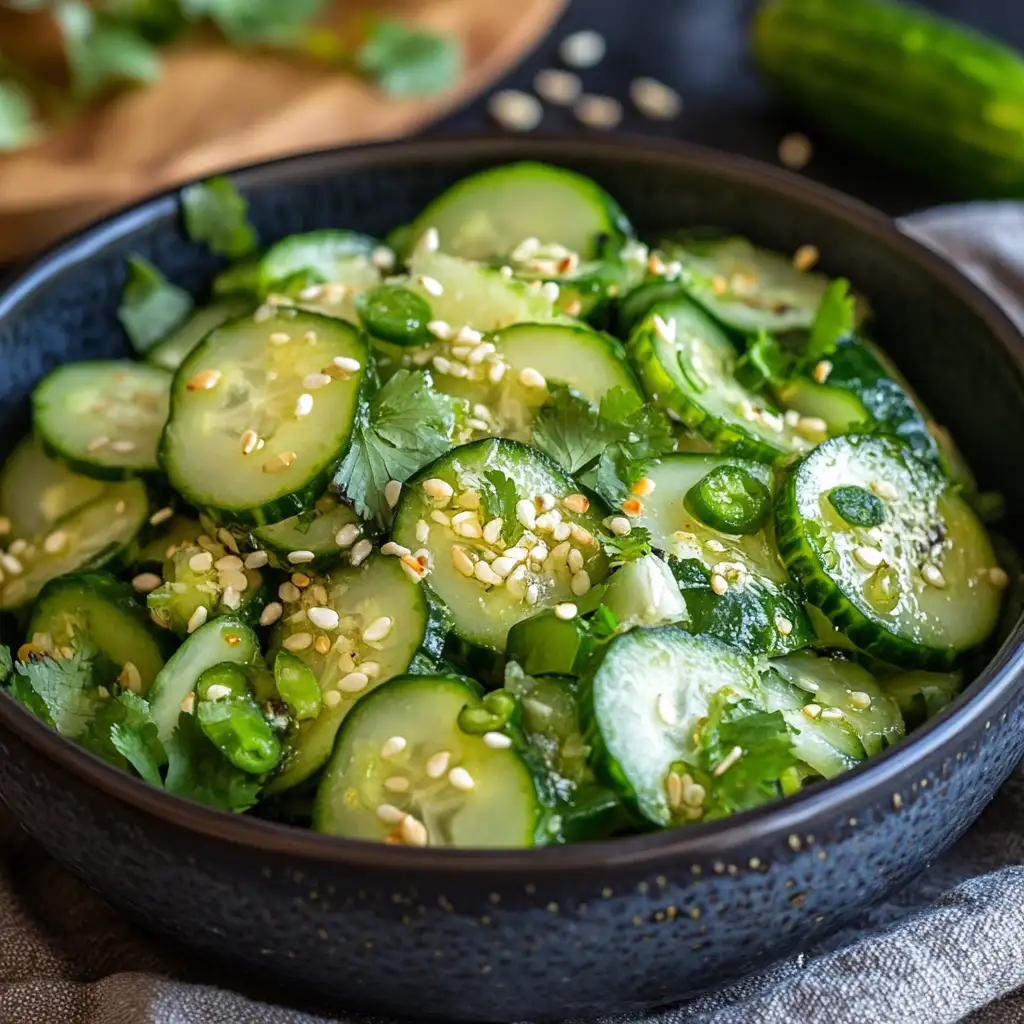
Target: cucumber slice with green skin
x,y
172,351
635,305
241,278
458,790
857,392
494,595
104,417
205,575
645,704
917,591
37,490
224,639
755,606
588,361
490,213
96,610
922,695
317,256
244,385
338,297
545,645
328,530
346,660
747,288
687,365
96,534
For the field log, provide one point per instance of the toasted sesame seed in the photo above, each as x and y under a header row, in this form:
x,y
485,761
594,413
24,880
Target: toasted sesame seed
x,y
161,515
301,557
601,112
932,575
278,463
496,371
271,613
353,682
197,618
378,630
860,699
574,560
556,86
515,111
831,713
249,440
525,513
392,747
288,592
461,779
497,740
502,566
619,525
633,507
430,240
583,49
422,531
97,443
492,531
413,831
440,517
10,563
332,698
654,99
122,447
440,329
674,790
323,618
805,257
822,370
531,378
795,151
783,625
55,542
565,611
415,567
728,761
643,487
431,285
666,709
461,560
578,503
189,703
437,488
869,558
485,574
998,577
146,582
256,560
811,427
297,641
392,490
390,814
437,764
347,535
719,584
693,794
361,551
397,784
201,562
347,364
470,529
811,710
885,490
396,550
301,580
204,380
532,594
580,583
303,405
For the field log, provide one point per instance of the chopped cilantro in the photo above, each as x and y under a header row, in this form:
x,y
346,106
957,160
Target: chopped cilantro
x,y
67,689
408,61
215,214
499,496
257,22
408,425
635,544
604,624
151,307
134,737
834,320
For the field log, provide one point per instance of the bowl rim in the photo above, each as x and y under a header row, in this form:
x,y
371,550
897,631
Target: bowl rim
x,y
879,779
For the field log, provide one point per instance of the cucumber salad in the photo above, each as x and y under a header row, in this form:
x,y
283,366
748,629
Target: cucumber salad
x,y
508,529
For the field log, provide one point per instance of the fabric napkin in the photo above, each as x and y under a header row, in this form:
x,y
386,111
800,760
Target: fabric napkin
x,y
949,947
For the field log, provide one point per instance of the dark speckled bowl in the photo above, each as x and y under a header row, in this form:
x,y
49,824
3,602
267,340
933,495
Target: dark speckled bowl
x,y
536,934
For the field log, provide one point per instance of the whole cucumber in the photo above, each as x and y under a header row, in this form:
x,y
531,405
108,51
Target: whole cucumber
x,y
903,85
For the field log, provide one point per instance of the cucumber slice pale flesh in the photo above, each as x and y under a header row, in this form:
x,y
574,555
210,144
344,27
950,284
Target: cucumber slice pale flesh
x,y
328,531
171,352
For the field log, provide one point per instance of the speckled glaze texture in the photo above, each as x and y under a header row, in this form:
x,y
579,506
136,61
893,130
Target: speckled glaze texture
x,y
548,934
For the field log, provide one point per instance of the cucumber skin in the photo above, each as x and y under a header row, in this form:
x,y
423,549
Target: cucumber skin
x,y
903,85
805,568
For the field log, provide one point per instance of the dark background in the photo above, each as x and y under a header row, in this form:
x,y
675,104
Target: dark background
x,y
699,48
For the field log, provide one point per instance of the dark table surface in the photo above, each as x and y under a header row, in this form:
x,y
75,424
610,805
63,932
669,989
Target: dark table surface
x,y
699,48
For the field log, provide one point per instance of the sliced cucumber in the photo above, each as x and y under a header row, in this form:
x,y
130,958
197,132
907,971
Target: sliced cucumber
x,y
457,789
36,490
339,296
240,443
490,213
89,537
918,590
647,700
747,288
687,365
645,593
95,610
859,392
753,603
448,511
171,352
177,532
241,278
224,639
545,645
922,695
104,418
345,659
316,257
328,530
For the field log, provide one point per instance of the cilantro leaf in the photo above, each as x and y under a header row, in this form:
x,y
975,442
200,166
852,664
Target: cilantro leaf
x,y
604,624
134,736
215,213
408,61
151,307
101,52
252,22
635,544
198,771
569,429
766,361
6,663
408,425
65,687
499,496
833,320
18,125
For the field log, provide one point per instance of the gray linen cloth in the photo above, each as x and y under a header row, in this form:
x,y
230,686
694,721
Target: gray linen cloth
x,y
949,947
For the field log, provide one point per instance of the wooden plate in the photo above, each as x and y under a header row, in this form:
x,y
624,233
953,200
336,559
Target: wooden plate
x,y
216,107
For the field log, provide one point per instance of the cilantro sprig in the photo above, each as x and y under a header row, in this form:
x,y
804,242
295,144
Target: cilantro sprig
x,y
151,307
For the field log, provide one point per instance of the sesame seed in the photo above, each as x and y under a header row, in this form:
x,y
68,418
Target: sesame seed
x,y
805,257
549,290
860,699
461,779
619,525
378,630
714,544
301,557
580,534
323,618
218,691
413,831
532,594
201,562
430,240
932,575
271,613
422,531
55,542
297,641
831,713
204,380
161,515
288,592
575,560
303,405
431,285
278,463
693,794
578,503
437,764
502,566
666,709
674,790
382,258
728,761
998,577
97,443
525,514
485,574
249,440
461,560
146,582
10,563
632,507
601,112
496,372
397,550
556,86
885,490
256,560
492,531
347,364
353,682
188,704
531,378
791,417
437,488
280,337
441,364
580,583
197,618
822,370
397,784
332,698
719,584
314,291
565,611
515,111
643,487
584,49
390,814
497,740
122,447
811,427
783,625
361,551
654,99
392,747
301,580
347,535
795,151
470,529
392,490
869,558
439,329
811,710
